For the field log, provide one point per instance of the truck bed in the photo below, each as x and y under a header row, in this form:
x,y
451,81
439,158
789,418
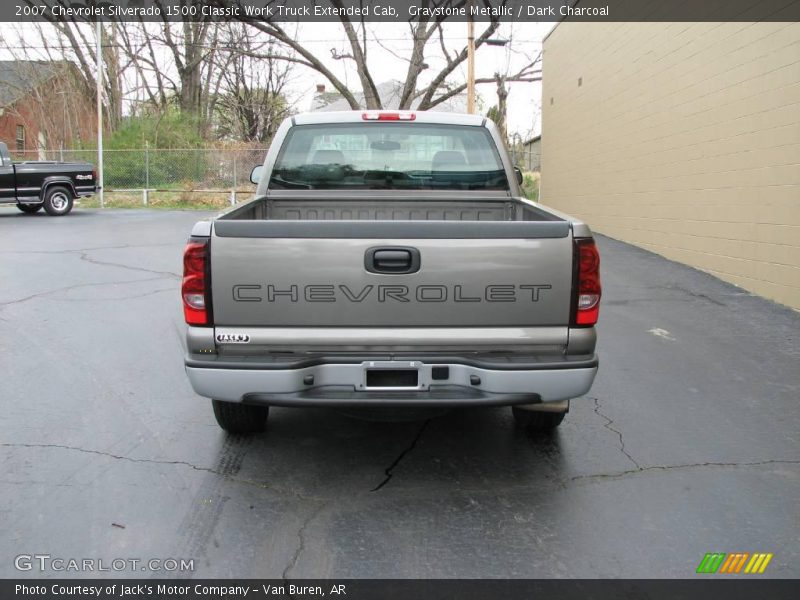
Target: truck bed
x,y
379,208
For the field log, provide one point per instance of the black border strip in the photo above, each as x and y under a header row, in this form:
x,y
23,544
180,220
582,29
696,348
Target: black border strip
x,y
698,587
401,11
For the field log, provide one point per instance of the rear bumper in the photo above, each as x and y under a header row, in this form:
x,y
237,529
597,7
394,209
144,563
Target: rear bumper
x,y
346,384
84,191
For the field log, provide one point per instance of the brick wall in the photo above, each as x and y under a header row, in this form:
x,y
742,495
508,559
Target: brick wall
x,y
18,114
682,138
58,112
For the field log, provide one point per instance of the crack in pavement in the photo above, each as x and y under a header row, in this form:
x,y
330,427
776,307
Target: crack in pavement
x,y
47,483
622,474
301,546
118,247
242,480
121,298
608,425
78,286
85,257
294,493
390,468
696,294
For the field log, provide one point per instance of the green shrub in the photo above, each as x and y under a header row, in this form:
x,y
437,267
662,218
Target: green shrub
x,y
126,162
171,129
530,185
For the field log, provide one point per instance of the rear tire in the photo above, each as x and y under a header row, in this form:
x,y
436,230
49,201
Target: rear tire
x,y
57,201
540,421
235,417
29,209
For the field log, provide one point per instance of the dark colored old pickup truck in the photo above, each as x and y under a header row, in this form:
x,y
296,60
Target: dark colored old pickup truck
x,y
54,186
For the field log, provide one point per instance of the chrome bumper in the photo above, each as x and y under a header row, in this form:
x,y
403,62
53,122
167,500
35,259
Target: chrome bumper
x,y
348,385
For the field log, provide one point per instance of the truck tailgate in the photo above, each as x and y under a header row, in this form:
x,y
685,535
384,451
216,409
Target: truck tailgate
x,y
259,280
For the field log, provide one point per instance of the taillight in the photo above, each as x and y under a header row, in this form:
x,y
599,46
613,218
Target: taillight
x,y
388,116
195,289
587,285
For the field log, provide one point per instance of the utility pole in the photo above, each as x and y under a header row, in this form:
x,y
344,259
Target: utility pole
x,y
470,60
99,78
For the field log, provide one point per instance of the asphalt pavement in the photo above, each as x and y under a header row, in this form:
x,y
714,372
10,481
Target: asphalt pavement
x,y
688,443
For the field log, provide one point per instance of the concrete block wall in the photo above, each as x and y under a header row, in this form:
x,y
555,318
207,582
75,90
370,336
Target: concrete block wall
x,y
682,138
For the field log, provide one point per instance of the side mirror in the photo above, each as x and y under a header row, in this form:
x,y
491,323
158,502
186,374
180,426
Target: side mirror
x,y
518,172
255,174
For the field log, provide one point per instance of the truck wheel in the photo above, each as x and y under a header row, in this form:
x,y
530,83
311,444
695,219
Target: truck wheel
x,y
57,201
235,417
537,421
29,208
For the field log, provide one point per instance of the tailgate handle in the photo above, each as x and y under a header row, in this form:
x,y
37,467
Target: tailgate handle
x,y
398,260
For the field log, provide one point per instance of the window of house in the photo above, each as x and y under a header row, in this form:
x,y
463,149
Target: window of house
x,y
20,138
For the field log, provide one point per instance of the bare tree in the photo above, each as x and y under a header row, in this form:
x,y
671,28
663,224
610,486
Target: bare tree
x,y
252,100
191,52
424,30
190,45
499,112
69,39
175,64
152,84
195,64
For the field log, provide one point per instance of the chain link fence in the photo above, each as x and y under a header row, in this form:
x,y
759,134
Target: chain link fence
x,y
526,159
146,172
201,176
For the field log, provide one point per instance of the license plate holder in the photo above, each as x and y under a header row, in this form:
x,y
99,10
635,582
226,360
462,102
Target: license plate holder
x,y
392,376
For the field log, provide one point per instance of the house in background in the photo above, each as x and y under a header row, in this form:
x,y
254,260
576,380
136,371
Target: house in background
x,y
43,106
389,92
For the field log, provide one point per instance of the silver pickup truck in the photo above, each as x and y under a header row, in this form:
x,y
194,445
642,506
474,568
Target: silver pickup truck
x,y
388,260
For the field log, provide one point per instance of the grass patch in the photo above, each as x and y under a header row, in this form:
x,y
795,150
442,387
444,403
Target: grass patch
x,y
171,200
